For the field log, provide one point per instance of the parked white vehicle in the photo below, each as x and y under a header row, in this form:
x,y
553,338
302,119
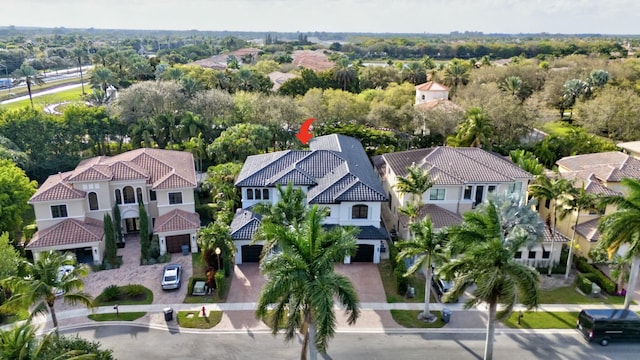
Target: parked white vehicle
x,y
62,271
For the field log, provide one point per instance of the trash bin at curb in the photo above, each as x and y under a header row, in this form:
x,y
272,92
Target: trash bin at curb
x,y
168,314
446,315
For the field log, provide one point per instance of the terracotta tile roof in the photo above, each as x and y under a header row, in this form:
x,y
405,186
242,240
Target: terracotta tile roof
x,y
457,166
431,86
163,169
589,229
589,180
278,78
68,232
439,216
177,220
55,188
312,59
606,166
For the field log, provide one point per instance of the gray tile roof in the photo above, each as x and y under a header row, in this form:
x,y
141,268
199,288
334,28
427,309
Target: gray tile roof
x,y
365,232
336,169
244,224
589,229
590,181
457,166
606,166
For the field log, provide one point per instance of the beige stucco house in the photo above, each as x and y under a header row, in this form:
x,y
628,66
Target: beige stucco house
x,y
600,174
464,177
70,206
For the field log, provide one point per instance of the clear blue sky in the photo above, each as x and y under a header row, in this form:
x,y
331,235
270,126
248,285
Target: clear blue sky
x,y
416,16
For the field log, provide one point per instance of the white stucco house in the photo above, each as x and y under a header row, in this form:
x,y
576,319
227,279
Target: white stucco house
x,y
335,173
464,177
70,206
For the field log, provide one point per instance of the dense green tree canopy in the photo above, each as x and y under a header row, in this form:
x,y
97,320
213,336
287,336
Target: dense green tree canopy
x,y
15,190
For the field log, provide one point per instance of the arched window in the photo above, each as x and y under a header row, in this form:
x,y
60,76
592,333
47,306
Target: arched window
x,y
93,201
129,197
139,195
359,212
118,197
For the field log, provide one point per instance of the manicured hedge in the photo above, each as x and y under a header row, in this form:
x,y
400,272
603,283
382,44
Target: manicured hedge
x,y
596,276
583,283
401,281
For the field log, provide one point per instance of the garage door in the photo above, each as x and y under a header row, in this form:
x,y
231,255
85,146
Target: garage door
x,y
251,253
174,243
364,253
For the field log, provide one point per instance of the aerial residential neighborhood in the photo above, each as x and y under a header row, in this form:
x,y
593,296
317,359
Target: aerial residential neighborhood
x,y
297,180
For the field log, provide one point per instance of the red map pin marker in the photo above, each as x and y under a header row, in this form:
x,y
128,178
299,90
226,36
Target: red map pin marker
x,y
304,135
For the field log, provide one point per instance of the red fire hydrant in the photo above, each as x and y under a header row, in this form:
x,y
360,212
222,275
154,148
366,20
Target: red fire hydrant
x,y
204,312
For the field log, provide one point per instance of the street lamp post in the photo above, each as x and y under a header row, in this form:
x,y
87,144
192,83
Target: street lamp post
x,y
218,255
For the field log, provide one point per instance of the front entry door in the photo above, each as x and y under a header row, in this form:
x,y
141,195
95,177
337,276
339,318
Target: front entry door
x,y
132,224
479,194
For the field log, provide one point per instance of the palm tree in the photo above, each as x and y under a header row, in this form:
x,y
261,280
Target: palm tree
x,y
344,73
516,87
456,74
173,73
427,248
80,55
415,184
475,131
41,282
414,72
29,76
485,254
302,283
574,201
550,189
102,78
623,227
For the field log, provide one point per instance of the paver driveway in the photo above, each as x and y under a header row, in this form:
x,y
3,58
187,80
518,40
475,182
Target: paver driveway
x,y
131,272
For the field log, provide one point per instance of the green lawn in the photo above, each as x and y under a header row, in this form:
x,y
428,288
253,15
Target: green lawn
x,y
192,319
389,283
123,316
542,320
145,298
41,101
5,95
569,295
409,319
559,128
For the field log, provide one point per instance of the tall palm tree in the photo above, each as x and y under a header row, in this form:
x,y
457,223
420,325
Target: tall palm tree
x,y
573,202
475,131
302,283
623,227
485,254
550,189
41,281
414,72
415,184
426,248
102,77
456,74
80,55
344,73
29,76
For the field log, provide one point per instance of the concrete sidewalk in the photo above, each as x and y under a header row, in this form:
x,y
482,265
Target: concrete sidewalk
x,y
241,316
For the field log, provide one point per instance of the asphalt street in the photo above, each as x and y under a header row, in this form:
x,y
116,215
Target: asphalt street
x,y
135,343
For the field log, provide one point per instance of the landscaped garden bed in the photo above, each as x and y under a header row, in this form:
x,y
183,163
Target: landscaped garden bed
x,y
132,294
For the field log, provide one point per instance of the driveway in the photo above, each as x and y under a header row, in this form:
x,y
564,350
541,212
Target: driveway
x,y
131,272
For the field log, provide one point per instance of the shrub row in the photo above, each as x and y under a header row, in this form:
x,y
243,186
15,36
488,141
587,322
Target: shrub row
x,y
596,276
583,283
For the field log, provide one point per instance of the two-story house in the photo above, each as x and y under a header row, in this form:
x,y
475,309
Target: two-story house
x,y
70,206
600,174
335,173
464,177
